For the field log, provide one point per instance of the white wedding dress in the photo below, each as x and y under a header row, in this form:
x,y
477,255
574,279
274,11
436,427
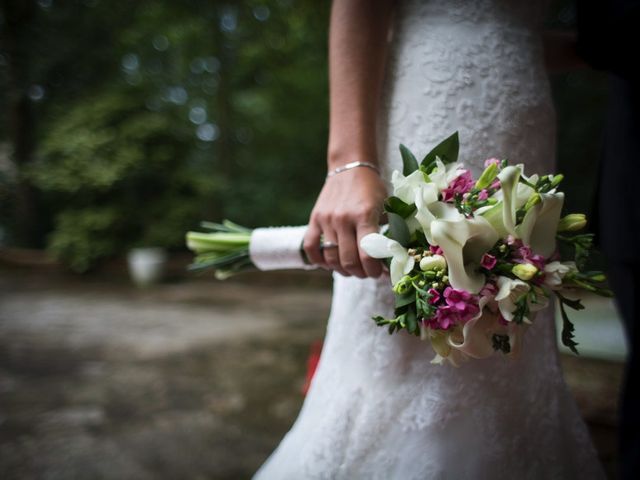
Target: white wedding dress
x,y
377,408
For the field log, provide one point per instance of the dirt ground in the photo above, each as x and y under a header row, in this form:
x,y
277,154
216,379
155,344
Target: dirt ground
x,y
189,379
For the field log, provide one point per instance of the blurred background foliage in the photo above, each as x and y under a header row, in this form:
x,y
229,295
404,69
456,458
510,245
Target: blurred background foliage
x,y
125,123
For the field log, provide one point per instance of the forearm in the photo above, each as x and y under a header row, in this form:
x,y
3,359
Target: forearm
x,y
357,52
560,51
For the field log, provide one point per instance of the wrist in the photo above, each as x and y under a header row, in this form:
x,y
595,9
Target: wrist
x,y
336,159
351,165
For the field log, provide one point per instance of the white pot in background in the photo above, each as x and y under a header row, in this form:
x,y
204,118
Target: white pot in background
x,y
146,265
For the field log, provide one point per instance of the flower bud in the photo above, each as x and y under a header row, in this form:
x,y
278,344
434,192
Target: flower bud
x,y
556,180
534,199
524,271
403,285
487,176
429,275
434,262
572,222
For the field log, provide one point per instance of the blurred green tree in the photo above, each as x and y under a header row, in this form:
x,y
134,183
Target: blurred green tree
x,y
153,115
124,123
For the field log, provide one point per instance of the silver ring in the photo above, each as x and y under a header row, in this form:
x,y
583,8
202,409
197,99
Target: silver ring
x,y
325,245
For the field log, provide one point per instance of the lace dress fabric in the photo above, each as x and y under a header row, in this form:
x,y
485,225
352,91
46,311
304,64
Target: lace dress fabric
x,y
377,408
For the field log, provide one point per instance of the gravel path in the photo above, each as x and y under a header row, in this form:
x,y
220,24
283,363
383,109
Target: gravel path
x,y
190,380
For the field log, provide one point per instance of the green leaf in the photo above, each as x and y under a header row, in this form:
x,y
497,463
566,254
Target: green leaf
x,y
567,328
575,304
395,205
447,150
412,321
406,299
409,162
380,320
398,229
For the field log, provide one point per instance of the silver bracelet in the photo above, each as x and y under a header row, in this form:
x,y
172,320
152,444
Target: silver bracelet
x,y
351,165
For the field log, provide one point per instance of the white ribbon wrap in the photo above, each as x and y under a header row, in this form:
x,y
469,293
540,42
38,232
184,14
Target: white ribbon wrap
x,y
278,248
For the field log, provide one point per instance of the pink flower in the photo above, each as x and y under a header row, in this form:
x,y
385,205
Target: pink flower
x,y
458,186
524,254
435,296
491,161
435,250
537,261
495,185
483,195
488,261
446,317
462,302
513,241
489,290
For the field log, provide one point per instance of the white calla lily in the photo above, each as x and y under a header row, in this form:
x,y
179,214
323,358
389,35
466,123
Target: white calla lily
x,y
511,196
556,271
404,187
509,292
509,177
539,225
379,246
475,338
543,233
442,174
464,241
428,209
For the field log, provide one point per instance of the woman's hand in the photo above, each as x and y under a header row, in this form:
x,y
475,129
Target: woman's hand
x,y
350,203
350,206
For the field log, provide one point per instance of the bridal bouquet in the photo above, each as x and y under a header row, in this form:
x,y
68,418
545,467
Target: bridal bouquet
x,y
471,261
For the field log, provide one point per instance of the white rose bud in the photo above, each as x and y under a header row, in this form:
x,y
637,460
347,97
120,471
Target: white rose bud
x,y
433,262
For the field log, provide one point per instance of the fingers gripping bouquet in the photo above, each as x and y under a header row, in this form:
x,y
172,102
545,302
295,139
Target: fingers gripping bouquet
x,y
472,261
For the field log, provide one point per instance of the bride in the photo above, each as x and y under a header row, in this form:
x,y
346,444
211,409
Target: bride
x,y
413,73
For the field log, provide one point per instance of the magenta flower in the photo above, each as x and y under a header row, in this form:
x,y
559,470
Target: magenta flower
x,y
488,261
537,261
524,254
446,317
460,185
462,302
435,296
483,195
435,250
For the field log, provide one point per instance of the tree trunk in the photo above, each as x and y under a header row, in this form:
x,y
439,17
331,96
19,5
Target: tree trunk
x,y
18,15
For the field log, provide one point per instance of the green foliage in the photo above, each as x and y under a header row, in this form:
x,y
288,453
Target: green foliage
x,y
118,175
398,229
164,113
409,162
395,205
567,326
85,235
447,150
